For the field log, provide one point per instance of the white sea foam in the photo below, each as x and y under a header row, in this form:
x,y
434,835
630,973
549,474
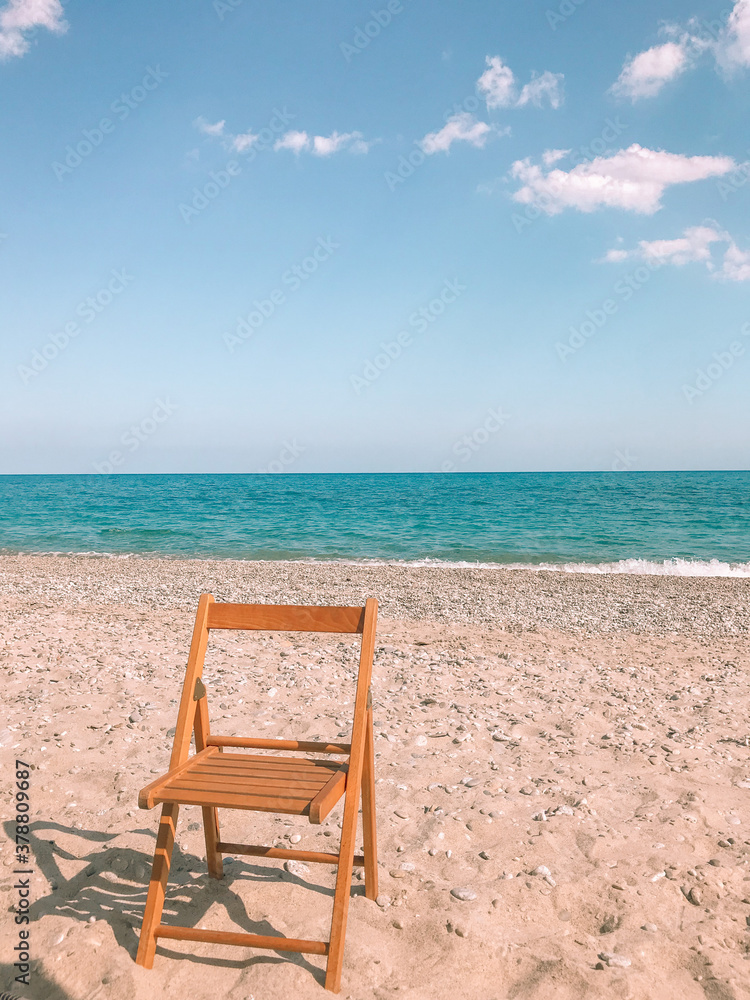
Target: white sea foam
x,y
631,567
645,567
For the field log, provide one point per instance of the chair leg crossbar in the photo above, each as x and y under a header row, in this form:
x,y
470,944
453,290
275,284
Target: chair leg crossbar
x,y
270,784
314,857
242,940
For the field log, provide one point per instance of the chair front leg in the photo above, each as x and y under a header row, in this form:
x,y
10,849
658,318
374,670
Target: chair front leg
x,y
158,885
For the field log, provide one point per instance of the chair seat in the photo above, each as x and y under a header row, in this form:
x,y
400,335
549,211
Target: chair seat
x,y
296,785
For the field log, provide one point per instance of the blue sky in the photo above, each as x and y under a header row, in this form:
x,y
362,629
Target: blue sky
x,y
540,209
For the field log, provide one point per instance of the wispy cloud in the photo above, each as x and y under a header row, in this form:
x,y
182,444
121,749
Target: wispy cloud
x,y
462,127
634,179
734,46
354,142
323,145
296,141
208,129
696,245
547,87
646,74
736,266
244,142
499,88
241,143
18,17
497,84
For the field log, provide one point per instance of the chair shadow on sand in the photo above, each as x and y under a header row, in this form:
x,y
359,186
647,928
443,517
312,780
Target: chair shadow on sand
x,y
113,884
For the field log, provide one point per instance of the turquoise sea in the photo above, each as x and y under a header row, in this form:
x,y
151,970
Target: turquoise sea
x,y
671,522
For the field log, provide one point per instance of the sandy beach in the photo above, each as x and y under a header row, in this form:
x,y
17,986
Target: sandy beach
x,y
563,768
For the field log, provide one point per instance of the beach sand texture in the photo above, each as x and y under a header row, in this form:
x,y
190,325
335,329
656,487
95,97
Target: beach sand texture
x,y
563,780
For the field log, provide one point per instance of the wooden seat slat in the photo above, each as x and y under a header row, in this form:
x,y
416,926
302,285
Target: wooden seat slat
x,y
224,758
244,780
279,774
277,791
278,765
231,800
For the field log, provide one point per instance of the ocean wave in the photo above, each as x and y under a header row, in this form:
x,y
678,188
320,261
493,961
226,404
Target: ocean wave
x,y
627,567
632,567
645,567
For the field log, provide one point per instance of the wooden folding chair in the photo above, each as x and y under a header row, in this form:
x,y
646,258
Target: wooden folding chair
x,y
300,786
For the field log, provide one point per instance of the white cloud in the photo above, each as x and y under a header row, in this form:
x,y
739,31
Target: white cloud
x,y
634,179
498,87
296,141
20,16
462,127
207,128
696,245
497,84
616,256
552,156
242,143
327,145
734,46
645,74
547,86
736,266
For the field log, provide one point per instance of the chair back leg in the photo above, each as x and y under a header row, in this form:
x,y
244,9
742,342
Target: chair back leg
x,y
158,884
211,829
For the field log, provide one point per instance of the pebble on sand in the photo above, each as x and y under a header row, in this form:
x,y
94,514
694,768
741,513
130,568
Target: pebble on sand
x,y
614,961
297,868
463,893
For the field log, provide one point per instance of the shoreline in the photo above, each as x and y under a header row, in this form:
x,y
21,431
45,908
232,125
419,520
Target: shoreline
x,y
511,599
631,566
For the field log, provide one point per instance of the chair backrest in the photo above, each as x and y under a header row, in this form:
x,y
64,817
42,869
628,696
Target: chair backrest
x,y
285,618
193,712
